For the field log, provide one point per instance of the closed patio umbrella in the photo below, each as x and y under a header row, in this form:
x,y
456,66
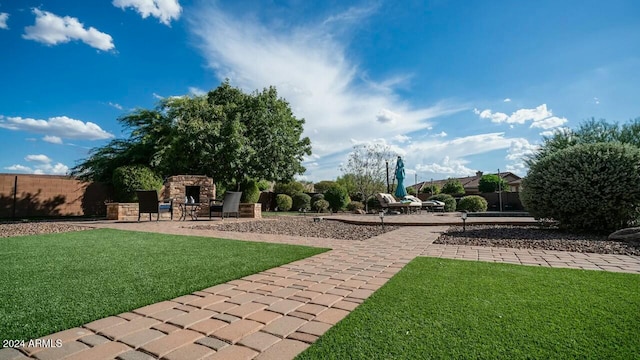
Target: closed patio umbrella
x,y
401,192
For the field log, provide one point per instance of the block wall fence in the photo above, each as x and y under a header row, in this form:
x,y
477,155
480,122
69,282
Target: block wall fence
x,y
28,195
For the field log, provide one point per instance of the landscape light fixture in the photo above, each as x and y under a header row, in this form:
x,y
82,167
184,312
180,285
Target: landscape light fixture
x,y
464,220
381,214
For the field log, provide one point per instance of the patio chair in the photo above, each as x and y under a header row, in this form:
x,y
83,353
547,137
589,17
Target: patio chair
x,y
148,202
429,205
230,205
388,202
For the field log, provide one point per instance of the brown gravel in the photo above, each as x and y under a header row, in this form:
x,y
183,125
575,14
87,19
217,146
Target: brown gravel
x,y
303,226
532,237
9,229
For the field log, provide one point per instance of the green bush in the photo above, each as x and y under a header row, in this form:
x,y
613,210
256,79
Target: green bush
x,y
250,192
288,188
127,179
317,197
449,201
473,203
411,190
284,202
429,190
355,205
321,205
591,187
373,203
452,187
323,185
337,197
491,183
263,185
301,201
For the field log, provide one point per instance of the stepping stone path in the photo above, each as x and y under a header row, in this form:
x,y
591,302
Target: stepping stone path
x,y
278,313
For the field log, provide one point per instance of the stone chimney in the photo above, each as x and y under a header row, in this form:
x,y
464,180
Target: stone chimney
x,y
479,173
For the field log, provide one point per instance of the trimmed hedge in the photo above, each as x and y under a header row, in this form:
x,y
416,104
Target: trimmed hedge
x,y
448,200
250,192
355,205
321,205
590,187
129,178
338,197
473,203
301,201
284,202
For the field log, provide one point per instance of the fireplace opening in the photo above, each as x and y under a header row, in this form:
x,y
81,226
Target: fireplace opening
x,y
192,191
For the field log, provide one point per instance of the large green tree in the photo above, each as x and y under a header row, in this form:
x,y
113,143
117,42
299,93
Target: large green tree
x,y
491,183
589,132
453,187
226,134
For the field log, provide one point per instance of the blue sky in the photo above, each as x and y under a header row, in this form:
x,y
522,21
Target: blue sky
x,y
452,86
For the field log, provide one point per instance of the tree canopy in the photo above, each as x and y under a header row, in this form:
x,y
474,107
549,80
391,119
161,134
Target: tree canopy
x,y
452,187
366,168
227,135
589,132
491,183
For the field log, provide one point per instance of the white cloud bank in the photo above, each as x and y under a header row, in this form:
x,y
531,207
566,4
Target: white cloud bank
x,y
42,165
310,69
3,21
163,10
52,139
540,117
51,29
60,127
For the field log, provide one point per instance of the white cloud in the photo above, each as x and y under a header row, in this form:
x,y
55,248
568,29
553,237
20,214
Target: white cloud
x,y
313,72
196,91
40,158
440,134
156,96
401,138
447,166
540,117
115,105
596,100
52,139
387,117
52,29
42,168
507,100
3,21
554,131
520,148
163,10
20,168
549,123
59,126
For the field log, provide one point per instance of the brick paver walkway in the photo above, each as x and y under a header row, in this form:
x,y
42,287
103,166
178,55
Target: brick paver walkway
x,y
278,313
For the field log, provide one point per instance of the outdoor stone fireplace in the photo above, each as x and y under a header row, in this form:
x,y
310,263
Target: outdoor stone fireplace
x,y
200,187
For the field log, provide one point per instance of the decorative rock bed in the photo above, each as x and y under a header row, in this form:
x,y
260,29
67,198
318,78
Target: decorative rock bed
x,y
9,229
302,226
533,237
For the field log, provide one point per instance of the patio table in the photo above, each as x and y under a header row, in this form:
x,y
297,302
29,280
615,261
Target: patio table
x,y
190,209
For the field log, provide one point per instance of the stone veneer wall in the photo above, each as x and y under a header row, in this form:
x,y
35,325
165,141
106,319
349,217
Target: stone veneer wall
x,y
175,186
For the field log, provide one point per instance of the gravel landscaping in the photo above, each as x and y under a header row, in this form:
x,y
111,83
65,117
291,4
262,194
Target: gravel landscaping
x,y
9,229
303,226
532,237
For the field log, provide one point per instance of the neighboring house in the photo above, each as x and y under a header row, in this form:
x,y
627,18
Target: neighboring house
x,y
470,183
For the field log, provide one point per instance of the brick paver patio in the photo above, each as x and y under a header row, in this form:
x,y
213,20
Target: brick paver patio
x,y
278,313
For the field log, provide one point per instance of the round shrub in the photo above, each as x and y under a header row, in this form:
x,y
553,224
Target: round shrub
x,y
129,178
337,197
288,188
250,192
284,202
301,201
321,205
590,187
355,205
373,203
472,203
448,200
263,185
317,197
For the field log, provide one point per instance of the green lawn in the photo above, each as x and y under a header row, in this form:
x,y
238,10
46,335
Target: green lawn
x,y
53,282
437,308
